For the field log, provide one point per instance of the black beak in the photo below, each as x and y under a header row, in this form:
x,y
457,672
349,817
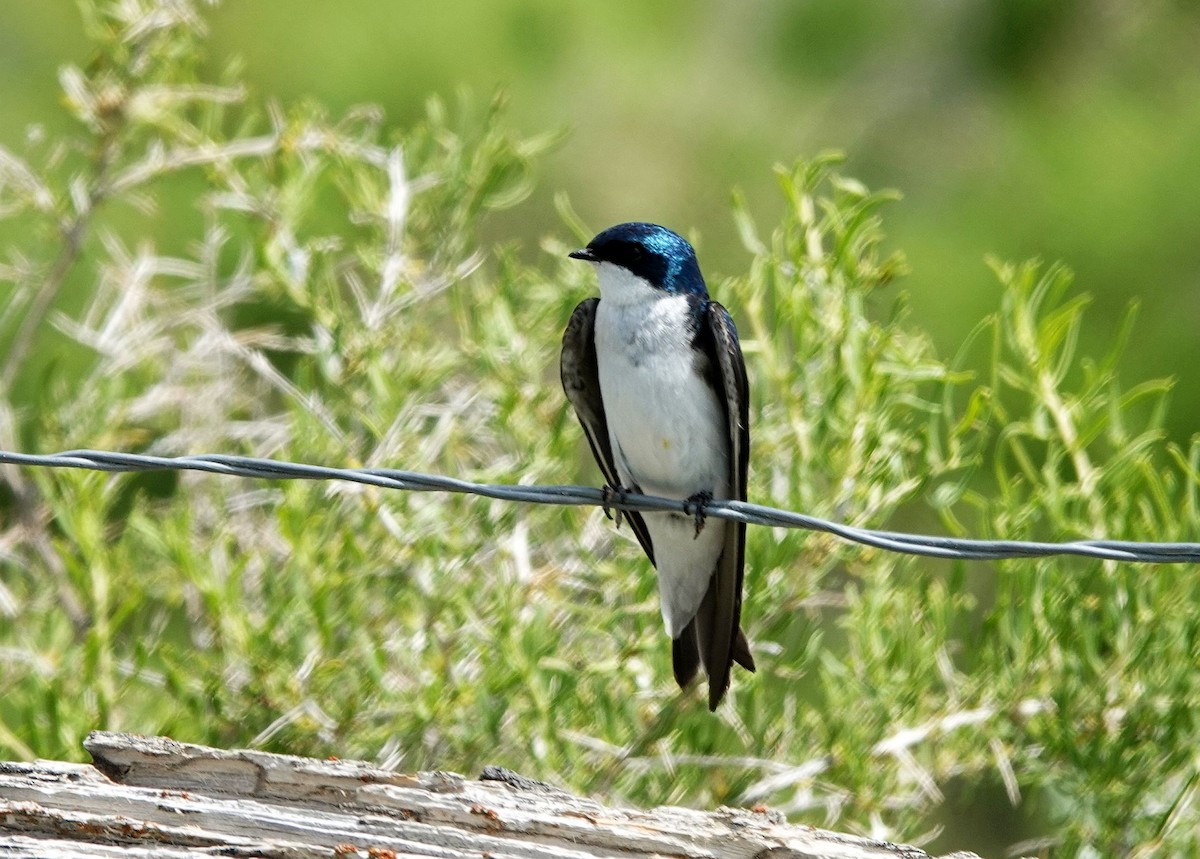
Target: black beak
x,y
584,254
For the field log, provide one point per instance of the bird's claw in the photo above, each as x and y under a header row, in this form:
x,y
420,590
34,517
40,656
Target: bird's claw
x,y
613,495
697,505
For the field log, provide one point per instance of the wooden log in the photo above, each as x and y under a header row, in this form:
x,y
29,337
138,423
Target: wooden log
x,y
151,796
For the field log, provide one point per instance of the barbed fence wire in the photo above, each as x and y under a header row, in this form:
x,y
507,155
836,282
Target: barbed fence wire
x,y
582,496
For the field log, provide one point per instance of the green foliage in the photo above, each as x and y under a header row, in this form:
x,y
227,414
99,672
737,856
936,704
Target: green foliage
x,y
334,304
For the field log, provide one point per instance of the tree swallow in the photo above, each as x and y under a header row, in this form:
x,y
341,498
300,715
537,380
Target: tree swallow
x,y
655,373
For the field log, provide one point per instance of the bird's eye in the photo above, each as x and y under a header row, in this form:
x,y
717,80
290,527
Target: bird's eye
x,y
635,252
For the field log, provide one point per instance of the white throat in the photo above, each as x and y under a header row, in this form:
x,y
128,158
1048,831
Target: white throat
x,y
618,285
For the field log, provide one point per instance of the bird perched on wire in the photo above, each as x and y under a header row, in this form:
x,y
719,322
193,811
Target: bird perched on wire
x,y
655,373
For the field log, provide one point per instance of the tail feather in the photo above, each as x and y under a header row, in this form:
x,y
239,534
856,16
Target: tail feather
x,y
685,656
719,651
741,651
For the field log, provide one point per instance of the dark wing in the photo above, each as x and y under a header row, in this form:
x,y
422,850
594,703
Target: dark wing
x,y
719,619
581,382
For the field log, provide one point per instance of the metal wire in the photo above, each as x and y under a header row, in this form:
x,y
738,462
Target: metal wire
x,y
751,514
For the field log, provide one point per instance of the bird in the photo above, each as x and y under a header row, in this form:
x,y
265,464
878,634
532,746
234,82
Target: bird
x,y
654,371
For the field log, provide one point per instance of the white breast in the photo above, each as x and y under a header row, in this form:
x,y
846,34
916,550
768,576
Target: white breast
x,y
668,430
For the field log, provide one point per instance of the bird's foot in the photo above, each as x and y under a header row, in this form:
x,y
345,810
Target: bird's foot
x,y
697,505
613,494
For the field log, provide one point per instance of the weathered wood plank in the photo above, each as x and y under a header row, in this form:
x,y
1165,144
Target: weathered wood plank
x,y
151,796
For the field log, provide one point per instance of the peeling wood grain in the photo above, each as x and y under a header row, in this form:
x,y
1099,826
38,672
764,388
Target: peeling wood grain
x,y
152,796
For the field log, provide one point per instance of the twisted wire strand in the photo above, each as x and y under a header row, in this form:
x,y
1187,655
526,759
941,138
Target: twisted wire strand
x,y
741,511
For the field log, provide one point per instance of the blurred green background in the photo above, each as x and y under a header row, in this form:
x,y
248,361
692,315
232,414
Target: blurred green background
x,y
1067,130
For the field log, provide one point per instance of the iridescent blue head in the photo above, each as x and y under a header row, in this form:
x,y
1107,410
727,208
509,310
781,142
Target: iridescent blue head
x,y
663,258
